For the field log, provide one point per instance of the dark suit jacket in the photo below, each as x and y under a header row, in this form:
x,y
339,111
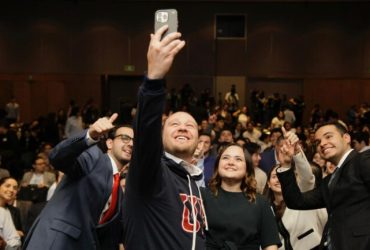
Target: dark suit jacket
x,y
70,219
268,160
347,201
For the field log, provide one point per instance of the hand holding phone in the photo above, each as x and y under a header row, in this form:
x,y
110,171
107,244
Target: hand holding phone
x,y
163,17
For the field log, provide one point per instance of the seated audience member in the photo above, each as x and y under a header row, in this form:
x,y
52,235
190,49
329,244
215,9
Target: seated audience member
x,y
9,237
251,133
241,141
288,127
242,116
218,126
238,131
278,120
310,145
203,160
39,176
35,184
255,150
322,163
268,157
74,124
360,141
206,128
226,137
237,217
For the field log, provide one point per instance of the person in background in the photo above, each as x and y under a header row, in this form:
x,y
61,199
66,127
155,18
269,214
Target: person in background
x,y
232,99
252,133
360,141
203,160
85,210
237,217
39,176
255,151
269,155
74,124
12,109
278,120
9,237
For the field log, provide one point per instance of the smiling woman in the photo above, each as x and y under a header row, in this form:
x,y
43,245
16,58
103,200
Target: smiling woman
x,y
8,233
238,217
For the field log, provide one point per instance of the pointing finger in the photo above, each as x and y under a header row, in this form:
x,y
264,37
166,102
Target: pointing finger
x,y
113,118
284,131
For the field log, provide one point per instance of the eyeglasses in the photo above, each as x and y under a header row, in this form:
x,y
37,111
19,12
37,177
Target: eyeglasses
x,y
124,138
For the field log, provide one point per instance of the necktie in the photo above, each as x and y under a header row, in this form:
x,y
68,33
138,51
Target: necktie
x,y
112,207
330,184
328,242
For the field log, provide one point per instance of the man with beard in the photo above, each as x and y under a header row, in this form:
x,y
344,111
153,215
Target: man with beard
x,y
162,208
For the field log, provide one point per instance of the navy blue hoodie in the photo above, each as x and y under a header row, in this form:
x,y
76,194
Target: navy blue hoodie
x,y
161,197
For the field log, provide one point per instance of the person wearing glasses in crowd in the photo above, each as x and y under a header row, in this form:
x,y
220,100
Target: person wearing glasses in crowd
x,y
85,210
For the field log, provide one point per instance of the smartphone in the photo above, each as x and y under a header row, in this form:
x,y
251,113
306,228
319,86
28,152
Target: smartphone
x,y
163,17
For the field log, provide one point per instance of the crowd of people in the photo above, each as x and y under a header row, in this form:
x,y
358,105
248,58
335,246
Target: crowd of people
x,y
188,173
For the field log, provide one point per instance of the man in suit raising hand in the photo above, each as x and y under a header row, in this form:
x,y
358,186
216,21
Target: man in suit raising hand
x,y
345,193
84,212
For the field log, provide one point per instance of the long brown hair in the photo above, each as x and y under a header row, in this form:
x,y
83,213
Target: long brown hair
x,y
248,185
279,209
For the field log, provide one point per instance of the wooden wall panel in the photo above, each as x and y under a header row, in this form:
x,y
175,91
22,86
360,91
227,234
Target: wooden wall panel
x,y
48,93
72,43
336,94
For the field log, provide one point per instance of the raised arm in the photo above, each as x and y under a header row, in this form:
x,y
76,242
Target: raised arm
x,y
72,156
292,151
293,196
145,167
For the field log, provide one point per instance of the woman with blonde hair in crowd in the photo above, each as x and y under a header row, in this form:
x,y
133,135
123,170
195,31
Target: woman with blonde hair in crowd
x,y
237,217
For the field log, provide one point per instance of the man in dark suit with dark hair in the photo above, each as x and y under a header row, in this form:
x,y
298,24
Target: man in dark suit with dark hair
x,y
85,210
345,193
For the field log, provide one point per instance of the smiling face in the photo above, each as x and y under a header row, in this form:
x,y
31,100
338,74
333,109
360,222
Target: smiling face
x,y
331,143
39,165
256,158
273,182
120,147
180,135
8,190
232,164
319,160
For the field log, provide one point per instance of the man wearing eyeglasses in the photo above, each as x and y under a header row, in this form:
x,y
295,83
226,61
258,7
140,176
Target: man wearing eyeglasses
x,y
85,211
